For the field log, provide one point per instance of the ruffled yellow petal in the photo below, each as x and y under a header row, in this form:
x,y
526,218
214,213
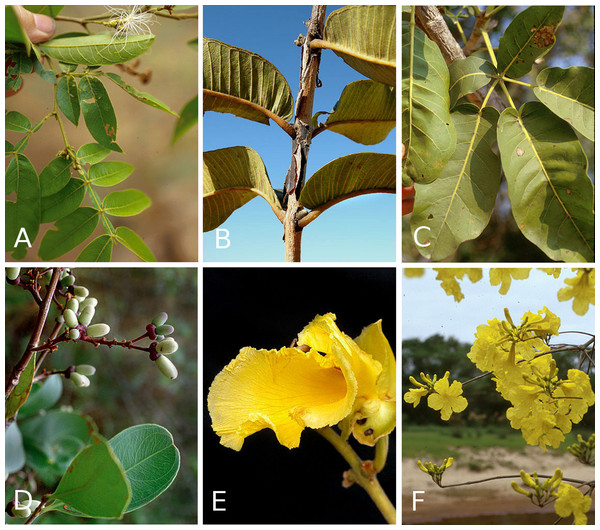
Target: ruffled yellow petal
x,y
283,390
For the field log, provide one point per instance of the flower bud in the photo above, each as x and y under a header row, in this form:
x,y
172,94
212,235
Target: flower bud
x,y
33,505
166,367
87,313
98,330
89,301
12,273
60,319
85,369
70,318
81,291
69,279
165,329
74,334
73,305
79,380
23,512
159,320
167,346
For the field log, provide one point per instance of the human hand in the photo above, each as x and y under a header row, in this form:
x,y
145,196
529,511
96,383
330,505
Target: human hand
x,y
39,28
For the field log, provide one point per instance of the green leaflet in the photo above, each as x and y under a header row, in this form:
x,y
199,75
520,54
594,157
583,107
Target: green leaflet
x,y
63,202
100,249
458,207
428,133
130,240
20,393
528,37
98,112
348,176
15,121
97,50
43,396
365,112
55,176
109,173
14,453
140,96
92,153
67,97
187,119
125,203
468,75
70,231
569,94
551,195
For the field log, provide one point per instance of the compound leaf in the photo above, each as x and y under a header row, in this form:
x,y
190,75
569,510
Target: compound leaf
x,y
365,38
97,50
551,195
569,94
70,232
460,204
428,132
100,249
150,461
365,112
528,37
133,242
125,203
233,176
243,83
98,112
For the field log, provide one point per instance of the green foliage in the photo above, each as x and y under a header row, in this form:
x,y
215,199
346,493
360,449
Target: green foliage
x,y
546,168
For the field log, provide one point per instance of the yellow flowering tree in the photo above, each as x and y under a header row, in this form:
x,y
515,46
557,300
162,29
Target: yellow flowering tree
x,y
325,380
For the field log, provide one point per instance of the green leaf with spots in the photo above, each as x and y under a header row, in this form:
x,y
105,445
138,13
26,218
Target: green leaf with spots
x,y
67,98
468,75
551,195
97,50
428,132
70,231
98,112
569,94
459,206
140,96
133,242
528,37
100,249
63,202
125,203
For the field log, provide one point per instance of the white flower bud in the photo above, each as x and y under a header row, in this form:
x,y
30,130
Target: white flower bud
x,y
69,279
73,305
79,380
60,319
88,301
70,318
98,330
34,504
74,334
23,512
87,313
165,329
167,346
81,291
85,369
12,273
159,320
166,367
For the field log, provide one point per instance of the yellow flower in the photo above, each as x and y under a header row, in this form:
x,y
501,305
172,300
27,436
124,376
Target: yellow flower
x,y
414,395
572,501
449,277
416,272
581,289
289,389
447,398
505,276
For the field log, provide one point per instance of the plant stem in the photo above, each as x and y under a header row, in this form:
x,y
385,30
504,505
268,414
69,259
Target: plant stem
x,y
367,480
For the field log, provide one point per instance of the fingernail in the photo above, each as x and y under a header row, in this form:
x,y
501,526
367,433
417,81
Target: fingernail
x,y
45,24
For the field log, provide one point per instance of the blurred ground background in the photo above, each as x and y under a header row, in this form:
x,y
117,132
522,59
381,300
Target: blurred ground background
x,y
167,173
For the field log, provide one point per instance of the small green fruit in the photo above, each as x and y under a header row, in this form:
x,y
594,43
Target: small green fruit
x,y
70,318
159,320
73,305
85,369
166,367
89,301
167,346
74,334
12,273
98,330
79,380
81,291
87,313
165,329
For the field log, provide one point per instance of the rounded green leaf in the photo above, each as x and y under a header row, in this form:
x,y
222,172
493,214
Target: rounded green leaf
x,y
551,195
98,112
150,461
15,121
243,83
109,173
100,249
528,37
129,239
365,38
43,396
125,203
70,232
468,75
365,112
232,177
95,483
55,176
97,50
14,453
569,94
428,133
349,176
92,153
459,206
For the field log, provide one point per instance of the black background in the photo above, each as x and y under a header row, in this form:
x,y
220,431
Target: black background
x,y
265,482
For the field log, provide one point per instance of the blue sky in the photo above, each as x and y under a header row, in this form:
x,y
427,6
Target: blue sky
x,y
427,310
361,229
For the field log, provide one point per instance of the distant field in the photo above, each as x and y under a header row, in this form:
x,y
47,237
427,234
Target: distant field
x,y
434,440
